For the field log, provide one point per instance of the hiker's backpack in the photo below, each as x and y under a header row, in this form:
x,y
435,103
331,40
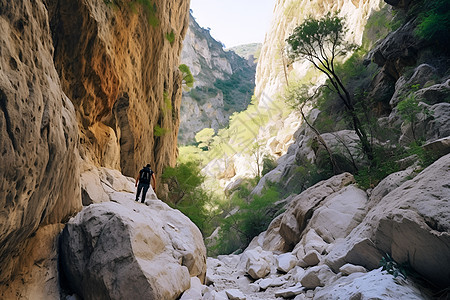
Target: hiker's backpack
x,y
146,174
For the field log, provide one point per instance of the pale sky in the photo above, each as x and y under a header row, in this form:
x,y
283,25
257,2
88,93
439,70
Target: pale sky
x,y
234,22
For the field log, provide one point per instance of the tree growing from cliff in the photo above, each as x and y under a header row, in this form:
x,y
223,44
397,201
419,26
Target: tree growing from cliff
x,y
298,96
321,42
188,79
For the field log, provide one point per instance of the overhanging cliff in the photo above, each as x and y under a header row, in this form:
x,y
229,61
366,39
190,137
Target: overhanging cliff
x,y
121,73
80,80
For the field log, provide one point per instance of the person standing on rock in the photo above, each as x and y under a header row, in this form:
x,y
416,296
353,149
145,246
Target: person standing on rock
x,y
144,182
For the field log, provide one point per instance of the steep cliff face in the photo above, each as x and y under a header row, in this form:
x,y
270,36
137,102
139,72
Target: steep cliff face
x,y
79,81
39,177
122,75
224,83
273,72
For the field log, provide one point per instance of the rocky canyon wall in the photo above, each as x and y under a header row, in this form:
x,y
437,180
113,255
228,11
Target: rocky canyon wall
x,y
274,71
121,73
224,83
80,81
39,177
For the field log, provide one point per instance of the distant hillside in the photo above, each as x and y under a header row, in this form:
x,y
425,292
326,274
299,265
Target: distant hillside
x,y
247,50
224,83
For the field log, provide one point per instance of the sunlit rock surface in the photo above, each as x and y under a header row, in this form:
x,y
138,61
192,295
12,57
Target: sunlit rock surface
x,y
39,173
78,78
121,73
128,250
411,223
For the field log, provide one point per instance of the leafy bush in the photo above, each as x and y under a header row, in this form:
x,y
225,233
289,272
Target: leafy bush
x,y
392,267
435,22
186,193
187,75
409,109
253,216
384,163
306,175
269,163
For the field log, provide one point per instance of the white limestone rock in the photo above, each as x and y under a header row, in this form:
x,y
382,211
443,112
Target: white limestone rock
x,y
290,291
372,285
285,262
91,187
311,258
195,291
388,184
339,213
157,250
298,211
348,269
235,294
309,242
296,274
257,262
317,276
271,282
410,223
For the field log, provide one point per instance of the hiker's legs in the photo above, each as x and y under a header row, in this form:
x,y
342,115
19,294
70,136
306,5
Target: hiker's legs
x,y
144,192
138,191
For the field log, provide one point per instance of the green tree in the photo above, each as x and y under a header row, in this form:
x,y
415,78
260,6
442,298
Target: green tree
x,y
409,109
321,42
204,137
187,75
257,151
182,181
434,22
252,217
186,193
298,97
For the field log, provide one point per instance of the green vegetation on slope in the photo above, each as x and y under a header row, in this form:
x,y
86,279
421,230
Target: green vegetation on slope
x,y
242,216
247,50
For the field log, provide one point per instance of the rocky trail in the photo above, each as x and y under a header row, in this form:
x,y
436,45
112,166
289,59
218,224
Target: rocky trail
x,y
326,245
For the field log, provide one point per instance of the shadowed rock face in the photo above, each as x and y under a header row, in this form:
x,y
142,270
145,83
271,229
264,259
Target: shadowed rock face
x,y
79,77
122,76
39,176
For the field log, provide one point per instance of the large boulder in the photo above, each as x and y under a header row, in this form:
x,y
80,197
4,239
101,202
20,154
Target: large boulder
x,y
410,223
257,262
346,149
373,285
285,262
339,213
422,74
439,125
302,207
435,93
127,250
317,276
398,50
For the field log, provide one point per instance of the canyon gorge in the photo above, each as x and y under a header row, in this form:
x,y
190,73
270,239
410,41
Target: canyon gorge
x,y
91,91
